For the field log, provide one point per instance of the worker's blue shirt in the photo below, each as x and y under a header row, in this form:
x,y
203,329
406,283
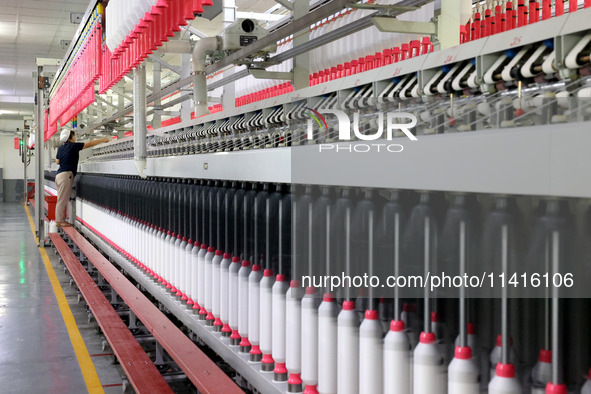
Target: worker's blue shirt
x,y
68,155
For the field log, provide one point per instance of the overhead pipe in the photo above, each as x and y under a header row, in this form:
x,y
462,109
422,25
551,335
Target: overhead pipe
x,y
202,48
139,119
176,46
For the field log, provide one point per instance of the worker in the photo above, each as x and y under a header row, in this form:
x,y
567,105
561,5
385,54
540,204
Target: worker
x,y
67,157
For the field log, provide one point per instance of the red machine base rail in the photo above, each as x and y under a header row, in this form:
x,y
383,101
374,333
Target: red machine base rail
x,y
140,370
203,372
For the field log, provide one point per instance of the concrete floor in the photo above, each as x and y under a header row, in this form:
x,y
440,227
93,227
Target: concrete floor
x,y
36,355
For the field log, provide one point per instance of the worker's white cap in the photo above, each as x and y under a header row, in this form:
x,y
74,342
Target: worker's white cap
x,y
64,135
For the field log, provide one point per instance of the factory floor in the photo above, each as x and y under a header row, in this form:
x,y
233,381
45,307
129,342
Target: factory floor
x,y
46,342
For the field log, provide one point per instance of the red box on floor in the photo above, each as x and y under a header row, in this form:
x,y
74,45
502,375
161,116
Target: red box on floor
x,y
51,202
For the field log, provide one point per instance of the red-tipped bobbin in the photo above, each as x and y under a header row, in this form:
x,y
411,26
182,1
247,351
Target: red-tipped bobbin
x,y
397,325
545,356
280,372
427,338
255,353
371,314
294,383
226,330
505,370
500,340
310,389
552,388
267,363
245,345
463,353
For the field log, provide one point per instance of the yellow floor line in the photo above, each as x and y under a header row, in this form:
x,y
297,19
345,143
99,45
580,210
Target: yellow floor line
x,y
91,378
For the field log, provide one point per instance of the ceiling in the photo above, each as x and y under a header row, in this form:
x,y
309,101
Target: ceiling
x,y
30,29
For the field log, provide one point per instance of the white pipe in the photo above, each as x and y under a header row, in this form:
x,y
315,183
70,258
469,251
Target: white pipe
x,y
165,259
225,293
254,295
348,349
139,119
259,16
243,274
143,247
178,261
397,365
371,354
175,46
182,269
279,327
293,349
201,281
162,257
153,249
234,300
167,262
266,322
208,272
327,347
215,290
310,340
192,275
203,47
176,252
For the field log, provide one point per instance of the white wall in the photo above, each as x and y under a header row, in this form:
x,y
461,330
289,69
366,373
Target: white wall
x,y
10,160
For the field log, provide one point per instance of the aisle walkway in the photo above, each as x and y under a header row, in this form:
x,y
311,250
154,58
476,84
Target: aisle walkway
x,y
36,353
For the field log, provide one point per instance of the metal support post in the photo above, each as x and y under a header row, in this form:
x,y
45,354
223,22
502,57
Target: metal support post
x,y
39,173
24,137
229,95
186,106
157,83
450,15
301,63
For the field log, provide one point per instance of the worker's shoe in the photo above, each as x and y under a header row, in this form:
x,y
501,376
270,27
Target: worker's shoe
x,y
64,224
